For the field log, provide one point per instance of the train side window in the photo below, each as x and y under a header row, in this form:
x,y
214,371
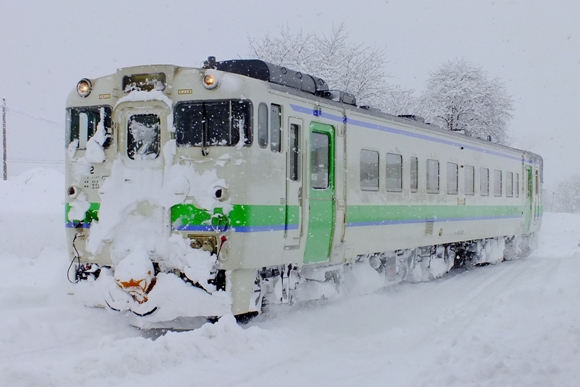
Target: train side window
x,y
537,181
262,125
484,181
517,185
369,170
275,128
414,174
432,176
509,185
213,123
497,182
394,180
294,152
319,160
452,178
82,124
469,175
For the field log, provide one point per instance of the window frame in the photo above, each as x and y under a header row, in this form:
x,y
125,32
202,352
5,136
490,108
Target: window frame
x,y
275,128
429,188
263,129
452,191
484,181
369,188
394,167
181,133
497,178
414,174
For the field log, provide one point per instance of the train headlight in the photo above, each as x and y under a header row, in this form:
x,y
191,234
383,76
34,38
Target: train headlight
x,y
210,79
84,87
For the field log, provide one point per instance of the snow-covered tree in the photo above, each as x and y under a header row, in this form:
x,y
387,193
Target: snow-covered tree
x,y
460,97
567,196
353,68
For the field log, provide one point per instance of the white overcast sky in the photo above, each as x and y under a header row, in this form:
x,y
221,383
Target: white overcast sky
x,y
532,46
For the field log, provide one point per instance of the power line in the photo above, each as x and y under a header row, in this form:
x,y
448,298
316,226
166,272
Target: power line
x,y
36,118
29,161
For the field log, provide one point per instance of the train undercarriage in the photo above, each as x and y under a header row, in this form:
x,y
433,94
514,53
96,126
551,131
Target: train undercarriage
x,y
170,299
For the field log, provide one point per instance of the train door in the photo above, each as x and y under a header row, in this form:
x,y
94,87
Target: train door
x,y
293,205
321,193
141,134
528,206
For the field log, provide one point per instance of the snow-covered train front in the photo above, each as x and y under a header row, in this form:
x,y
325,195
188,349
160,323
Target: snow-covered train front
x,y
195,192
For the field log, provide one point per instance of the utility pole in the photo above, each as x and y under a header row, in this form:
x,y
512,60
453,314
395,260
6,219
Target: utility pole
x,y
4,138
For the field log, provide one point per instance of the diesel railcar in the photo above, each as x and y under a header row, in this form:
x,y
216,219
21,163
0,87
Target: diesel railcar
x,y
197,192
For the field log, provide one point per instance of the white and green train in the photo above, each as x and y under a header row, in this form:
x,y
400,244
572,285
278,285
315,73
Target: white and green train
x,y
197,192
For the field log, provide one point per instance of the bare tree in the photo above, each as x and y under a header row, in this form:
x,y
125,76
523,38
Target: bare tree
x,y
353,68
460,97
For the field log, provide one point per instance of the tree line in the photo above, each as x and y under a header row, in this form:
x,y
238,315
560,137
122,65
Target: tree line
x,y
458,96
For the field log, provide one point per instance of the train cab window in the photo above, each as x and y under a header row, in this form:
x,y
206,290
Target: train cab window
x,y
432,176
469,175
275,128
369,170
394,180
143,133
294,167
213,123
517,185
509,185
537,182
452,178
414,174
484,181
263,125
82,124
319,160
497,182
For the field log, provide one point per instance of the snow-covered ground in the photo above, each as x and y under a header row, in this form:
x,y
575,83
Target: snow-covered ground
x,y
511,324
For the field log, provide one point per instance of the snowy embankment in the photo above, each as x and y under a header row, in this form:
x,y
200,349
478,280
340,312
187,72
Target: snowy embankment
x,y
512,324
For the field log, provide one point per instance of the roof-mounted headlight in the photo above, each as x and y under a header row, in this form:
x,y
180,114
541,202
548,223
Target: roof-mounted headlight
x,y
84,87
210,79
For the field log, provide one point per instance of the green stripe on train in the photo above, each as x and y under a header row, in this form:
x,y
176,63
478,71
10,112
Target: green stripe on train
x,y
245,215
92,212
370,213
241,215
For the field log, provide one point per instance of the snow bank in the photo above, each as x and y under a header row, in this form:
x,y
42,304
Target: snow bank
x,y
32,212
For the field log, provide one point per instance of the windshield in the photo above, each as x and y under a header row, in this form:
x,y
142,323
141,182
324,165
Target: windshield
x,y
215,123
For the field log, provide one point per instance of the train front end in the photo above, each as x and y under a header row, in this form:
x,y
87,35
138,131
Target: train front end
x,y
129,186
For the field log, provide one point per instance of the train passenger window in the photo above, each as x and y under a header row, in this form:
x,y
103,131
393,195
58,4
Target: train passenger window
x,y
263,125
469,175
432,176
517,188
213,123
509,185
414,174
452,178
369,170
484,181
294,152
275,128
319,160
497,182
394,180
143,132
82,124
